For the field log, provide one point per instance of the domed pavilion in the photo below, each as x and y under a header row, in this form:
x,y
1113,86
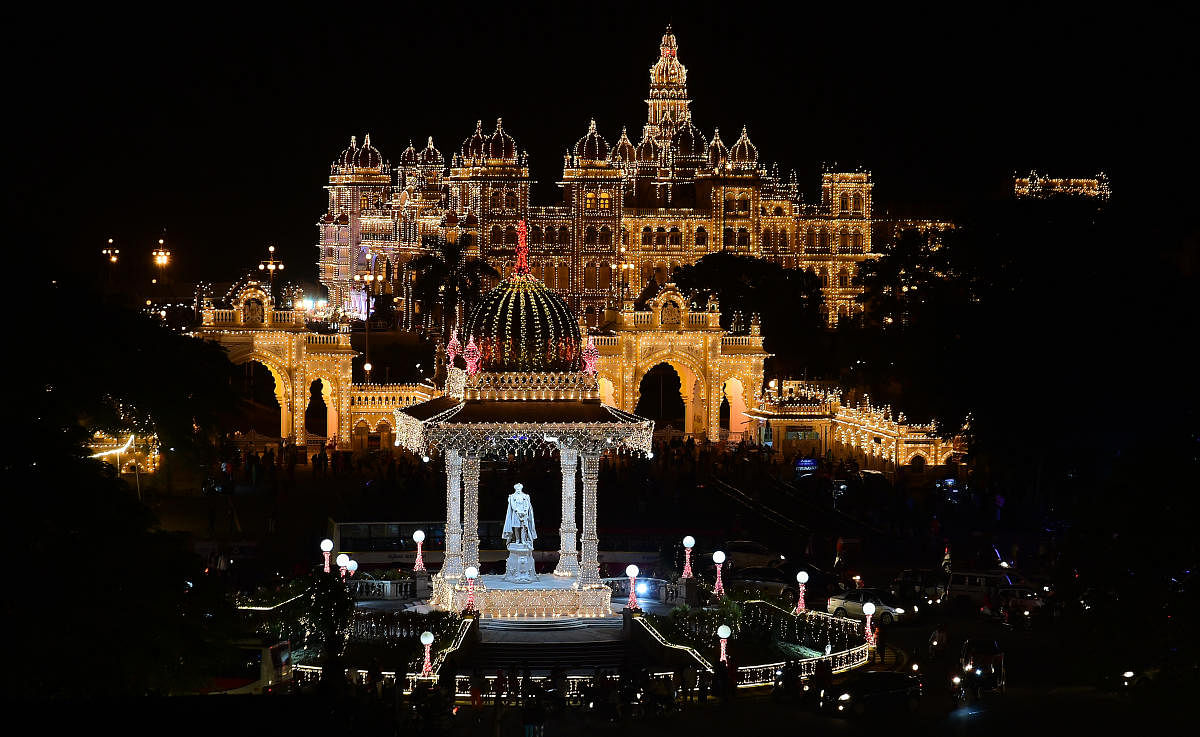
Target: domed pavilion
x,y
528,388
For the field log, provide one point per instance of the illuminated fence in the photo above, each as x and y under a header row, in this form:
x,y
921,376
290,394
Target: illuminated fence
x,y
655,589
366,589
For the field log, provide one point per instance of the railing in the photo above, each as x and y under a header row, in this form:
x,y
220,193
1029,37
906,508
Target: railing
x,y
368,589
747,341
224,316
666,643
318,339
606,341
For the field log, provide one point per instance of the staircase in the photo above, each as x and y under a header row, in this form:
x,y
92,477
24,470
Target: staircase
x,y
574,643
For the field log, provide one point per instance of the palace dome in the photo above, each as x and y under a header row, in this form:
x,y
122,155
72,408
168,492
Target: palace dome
x,y
430,156
624,150
592,147
408,157
500,145
717,153
472,148
647,151
366,157
688,141
523,326
743,152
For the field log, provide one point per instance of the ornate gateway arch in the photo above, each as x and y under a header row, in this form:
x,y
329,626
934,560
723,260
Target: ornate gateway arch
x,y
711,363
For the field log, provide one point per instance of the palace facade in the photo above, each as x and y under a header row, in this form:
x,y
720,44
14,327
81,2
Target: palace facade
x,y
630,211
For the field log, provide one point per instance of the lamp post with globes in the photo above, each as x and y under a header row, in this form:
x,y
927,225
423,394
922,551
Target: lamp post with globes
x,y
270,265
427,641
366,279
802,580
689,542
632,571
419,539
342,561
718,587
471,574
723,632
326,547
352,567
869,609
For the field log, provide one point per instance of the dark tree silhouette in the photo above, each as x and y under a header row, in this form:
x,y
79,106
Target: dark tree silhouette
x,y
447,277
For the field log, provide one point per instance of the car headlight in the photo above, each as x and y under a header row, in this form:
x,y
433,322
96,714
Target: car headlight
x,y
956,680
966,667
1127,674
844,697
899,610
915,610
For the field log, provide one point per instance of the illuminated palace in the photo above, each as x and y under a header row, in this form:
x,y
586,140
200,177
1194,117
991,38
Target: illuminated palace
x,y
630,211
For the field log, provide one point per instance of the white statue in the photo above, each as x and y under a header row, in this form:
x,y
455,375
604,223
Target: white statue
x,y
518,523
520,532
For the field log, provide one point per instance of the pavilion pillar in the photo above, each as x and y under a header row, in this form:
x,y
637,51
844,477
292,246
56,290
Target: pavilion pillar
x,y
589,563
452,564
470,472
568,555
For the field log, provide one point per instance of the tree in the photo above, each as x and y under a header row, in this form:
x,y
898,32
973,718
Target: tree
x,y
447,277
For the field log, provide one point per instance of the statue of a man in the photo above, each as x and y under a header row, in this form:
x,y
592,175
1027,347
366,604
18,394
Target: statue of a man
x,y
518,523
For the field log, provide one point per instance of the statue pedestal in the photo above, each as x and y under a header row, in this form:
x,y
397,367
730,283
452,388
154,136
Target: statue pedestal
x,y
519,567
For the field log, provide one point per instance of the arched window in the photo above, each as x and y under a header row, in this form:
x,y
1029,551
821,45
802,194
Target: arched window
x,y
730,205
510,236
675,238
824,277
562,279
605,236
743,204
548,273
845,203
783,244
605,276
589,276
647,235
497,235
496,199
605,201
766,239
727,239
843,240
811,241
843,278
564,237
701,237
660,237
550,236
858,202
510,200
856,242
589,201
589,236
535,236
778,210
743,238
823,244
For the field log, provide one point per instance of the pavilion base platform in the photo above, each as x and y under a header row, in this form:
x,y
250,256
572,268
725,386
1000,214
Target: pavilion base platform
x,y
548,597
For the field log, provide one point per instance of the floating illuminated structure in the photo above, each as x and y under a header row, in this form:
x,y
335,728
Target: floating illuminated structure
x,y
523,391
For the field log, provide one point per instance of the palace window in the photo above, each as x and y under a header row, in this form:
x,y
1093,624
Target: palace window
x,y
660,237
605,276
605,234
783,244
843,279
605,201
730,205
497,235
856,242
858,202
535,236
727,239
675,238
845,201
743,238
744,204
510,236
589,276
701,237
496,200
766,239
811,241
823,241
589,236
843,240
550,236
589,201
564,237
646,236
778,210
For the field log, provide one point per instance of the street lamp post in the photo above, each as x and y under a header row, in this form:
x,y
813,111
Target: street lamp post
x,y
326,547
869,609
367,370
368,279
724,632
471,574
802,579
689,542
342,561
271,264
718,587
427,641
632,571
419,539
352,567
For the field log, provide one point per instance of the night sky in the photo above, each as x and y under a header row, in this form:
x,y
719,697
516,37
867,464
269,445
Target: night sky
x,y
219,126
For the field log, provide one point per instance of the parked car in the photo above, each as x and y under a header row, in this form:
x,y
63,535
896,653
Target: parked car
x,y
873,691
766,582
747,554
983,667
850,604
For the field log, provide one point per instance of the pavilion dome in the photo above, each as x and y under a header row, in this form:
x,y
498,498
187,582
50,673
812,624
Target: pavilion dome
x,y
368,156
430,156
500,145
523,326
688,141
472,148
717,153
647,151
744,153
592,147
623,150
408,157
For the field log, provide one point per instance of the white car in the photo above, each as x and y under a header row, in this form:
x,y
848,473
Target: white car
x,y
850,604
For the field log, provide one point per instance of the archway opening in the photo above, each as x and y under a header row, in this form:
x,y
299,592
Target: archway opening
x,y
316,413
660,398
607,392
260,400
733,407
